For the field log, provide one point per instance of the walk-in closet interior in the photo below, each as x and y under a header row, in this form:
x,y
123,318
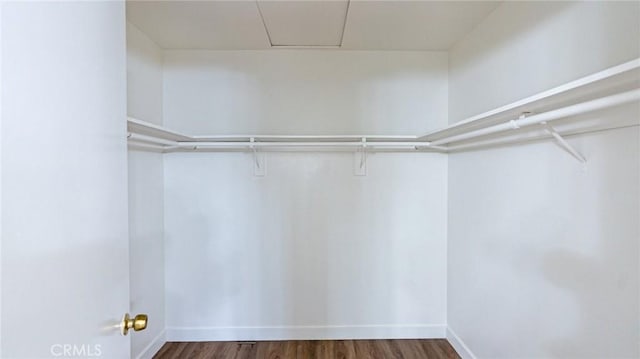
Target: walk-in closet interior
x,y
342,170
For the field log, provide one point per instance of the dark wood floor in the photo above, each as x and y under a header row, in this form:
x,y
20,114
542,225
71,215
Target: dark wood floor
x,y
303,349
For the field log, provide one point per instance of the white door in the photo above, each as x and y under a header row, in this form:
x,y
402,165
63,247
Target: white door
x,y
64,262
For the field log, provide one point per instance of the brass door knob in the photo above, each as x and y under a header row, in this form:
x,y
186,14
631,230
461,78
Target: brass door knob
x,y
138,323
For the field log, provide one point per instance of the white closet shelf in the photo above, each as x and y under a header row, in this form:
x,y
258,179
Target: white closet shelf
x,y
154,137
614,80
153,130
612,87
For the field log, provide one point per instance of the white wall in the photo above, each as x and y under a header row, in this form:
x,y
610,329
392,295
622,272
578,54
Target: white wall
x,y
144,76
146,195
543,255
309,250
523,48
305,92
146,246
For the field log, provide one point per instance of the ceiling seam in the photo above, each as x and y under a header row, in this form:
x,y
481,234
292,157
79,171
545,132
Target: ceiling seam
x,y
264,24
344,24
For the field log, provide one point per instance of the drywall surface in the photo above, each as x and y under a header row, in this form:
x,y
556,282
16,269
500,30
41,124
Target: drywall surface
x,y
144,77
146,195
523,48
309,251
543,254
305,92
146,246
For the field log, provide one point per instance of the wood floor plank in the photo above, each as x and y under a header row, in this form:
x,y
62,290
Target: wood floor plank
x,y
208,350
246,351
305,349
311,349
430,350
290,350
408,348
277,350
177,349
344,349
439,348
164,349
324,349
190,351
367,349
447,349
262,349
230,350
391,348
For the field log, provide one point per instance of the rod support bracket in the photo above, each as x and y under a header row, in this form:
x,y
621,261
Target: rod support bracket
x,y
360,159
562,143
259,160
514,123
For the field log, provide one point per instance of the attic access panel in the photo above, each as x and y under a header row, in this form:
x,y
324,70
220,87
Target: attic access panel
x,y
304,23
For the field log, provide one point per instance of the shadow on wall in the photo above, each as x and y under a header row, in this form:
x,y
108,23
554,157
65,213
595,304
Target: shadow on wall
x,y
305,91
546,251
304,217
530,15
304,249
324,265
602,277
624,116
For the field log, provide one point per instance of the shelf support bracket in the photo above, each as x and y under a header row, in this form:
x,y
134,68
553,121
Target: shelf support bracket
x,y
360,159
560,141
259,160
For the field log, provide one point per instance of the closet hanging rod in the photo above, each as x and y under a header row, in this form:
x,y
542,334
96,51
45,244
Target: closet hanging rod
x,y
303,144
621,75
577,109
496,142
249,145
274,138
146,146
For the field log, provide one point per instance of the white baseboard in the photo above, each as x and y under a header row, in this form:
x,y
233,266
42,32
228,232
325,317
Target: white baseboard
x,y
153,347
457,344
306,332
